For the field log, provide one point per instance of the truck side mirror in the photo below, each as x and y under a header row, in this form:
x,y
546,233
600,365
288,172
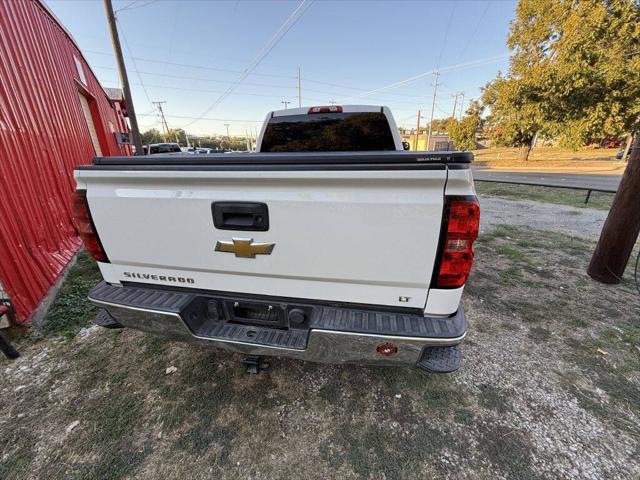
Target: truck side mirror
x,y
406,145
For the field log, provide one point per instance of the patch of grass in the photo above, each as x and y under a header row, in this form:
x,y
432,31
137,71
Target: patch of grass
x,y
376,450
539,334
154,345
197,440
16,447
509,450
463,416
493,398
560,196
70,311
193,399
610,373
107,436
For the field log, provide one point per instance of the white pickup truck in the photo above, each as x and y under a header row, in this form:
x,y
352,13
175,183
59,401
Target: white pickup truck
x,y
328,244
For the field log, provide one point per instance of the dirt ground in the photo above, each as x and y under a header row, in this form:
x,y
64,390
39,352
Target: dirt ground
x,y
600,160
550,388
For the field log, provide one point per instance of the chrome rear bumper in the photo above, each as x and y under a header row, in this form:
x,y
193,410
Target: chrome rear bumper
x,y
332,334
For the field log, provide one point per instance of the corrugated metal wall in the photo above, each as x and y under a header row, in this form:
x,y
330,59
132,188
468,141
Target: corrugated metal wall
x,y
43,135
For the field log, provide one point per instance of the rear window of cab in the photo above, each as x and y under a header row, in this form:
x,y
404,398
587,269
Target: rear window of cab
x,y
328,132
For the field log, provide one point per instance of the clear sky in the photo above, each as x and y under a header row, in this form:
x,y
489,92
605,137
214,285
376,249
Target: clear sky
x,y
189,52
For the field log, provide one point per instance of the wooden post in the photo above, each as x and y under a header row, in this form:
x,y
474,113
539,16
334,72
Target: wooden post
x,y
622,226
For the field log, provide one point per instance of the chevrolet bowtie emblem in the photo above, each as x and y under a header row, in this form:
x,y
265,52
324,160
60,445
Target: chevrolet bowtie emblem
x,y
244,247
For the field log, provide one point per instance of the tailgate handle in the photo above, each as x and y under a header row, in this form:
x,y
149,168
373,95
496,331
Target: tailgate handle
x,y
245,216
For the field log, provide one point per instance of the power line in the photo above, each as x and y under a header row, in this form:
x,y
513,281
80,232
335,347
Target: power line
x,y
421,76
135,67
191,65
446,34
251,94
203,118
475,30
291,87
271,44
218,69
131,6
202,79
184,89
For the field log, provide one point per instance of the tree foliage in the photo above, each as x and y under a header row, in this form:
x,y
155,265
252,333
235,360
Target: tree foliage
x,y
574,73
151,136
464,132
208,141
439,125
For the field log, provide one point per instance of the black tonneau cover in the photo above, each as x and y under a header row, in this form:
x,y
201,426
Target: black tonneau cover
x,y
284,159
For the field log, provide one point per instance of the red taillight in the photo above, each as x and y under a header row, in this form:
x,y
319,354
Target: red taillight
x,y
84,225
462,217
330,109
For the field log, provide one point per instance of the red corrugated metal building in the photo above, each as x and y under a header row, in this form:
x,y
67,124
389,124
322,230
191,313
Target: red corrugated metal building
x,y
53,115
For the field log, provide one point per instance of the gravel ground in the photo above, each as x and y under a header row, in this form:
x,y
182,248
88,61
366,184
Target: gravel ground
x,y
550,388
579,222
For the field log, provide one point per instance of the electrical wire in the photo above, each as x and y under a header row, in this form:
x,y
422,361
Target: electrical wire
x,y
446,34
291,20
475,30
203,118
218,69
135,67
132,6
190,65
168,87
420,76
188,77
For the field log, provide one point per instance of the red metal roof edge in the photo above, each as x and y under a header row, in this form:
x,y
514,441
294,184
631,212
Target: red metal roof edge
x,y
57,21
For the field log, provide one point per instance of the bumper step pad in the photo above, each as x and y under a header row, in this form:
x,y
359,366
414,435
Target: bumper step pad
x,y
441,359
103,319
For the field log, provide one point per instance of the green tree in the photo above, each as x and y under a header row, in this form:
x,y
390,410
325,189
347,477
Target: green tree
x,y
439,125
574,73
463,132
175,135
151,136
515,118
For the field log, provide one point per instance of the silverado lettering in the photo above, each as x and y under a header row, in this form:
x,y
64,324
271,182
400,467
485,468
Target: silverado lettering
x,y
160,278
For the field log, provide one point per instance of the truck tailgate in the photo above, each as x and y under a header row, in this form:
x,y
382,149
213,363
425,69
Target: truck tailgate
x,y
365,236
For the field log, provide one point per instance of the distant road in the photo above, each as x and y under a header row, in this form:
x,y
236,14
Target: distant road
x,y
586,181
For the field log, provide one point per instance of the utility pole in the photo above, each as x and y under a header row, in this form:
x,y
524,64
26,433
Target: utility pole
x,y
227,125
166,125
299,94
621,228
433,106
461,105
164,120
285,103
417,129
455,104
124,79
